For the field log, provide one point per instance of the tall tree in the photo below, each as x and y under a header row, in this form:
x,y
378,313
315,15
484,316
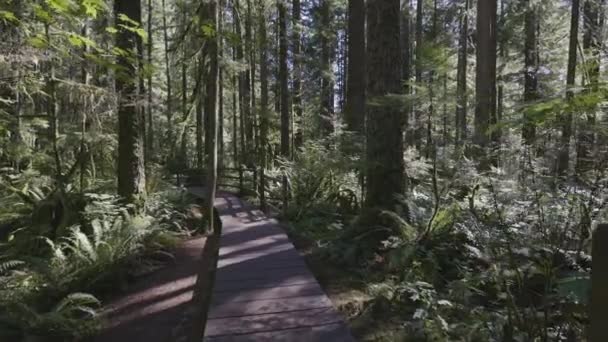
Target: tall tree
x,y
485,80
283,76
355,88
327,85
592,41
264,110
417,136
530,68
211,52
169,107
406,72
297,72
385,168
461,76
284,79
131,174
247,111
150,130
566,119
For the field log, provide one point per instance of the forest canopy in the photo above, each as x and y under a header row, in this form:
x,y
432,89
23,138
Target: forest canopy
x,y
450,155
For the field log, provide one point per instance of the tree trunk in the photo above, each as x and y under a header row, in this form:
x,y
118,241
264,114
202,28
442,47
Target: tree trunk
x,y
283,75
591,45
83,118
264,112
406,72
131,173
211,110
385,169
417,136
327,91
246,91
530,70
502,48
355,89
566,120
297,73
185,111
52,110
243,93
220,124
150,131
200,129
168,72
485,80
461,77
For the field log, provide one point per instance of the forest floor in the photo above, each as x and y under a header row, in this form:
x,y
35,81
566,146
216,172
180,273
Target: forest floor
x,y
347,292
158,307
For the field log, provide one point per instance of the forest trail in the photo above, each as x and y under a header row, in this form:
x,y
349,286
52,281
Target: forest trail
x,y
157,307
263,289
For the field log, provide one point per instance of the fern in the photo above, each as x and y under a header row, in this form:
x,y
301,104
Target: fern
x,y
10,265
76,302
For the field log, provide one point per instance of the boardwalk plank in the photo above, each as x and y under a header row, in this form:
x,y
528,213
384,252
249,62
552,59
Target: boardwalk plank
x,y
271,322
263,289
269,306
334,332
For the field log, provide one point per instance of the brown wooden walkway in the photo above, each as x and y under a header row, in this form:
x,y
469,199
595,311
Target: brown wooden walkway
x,y
263,289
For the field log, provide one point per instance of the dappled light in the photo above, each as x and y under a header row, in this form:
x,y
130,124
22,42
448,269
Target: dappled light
x,y
297,170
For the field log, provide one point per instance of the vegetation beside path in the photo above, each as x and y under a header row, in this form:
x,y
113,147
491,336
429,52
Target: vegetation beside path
x,y
56,279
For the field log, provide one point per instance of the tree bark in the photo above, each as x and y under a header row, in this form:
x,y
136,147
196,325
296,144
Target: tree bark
x,y
355,89
264,111
485,80
530,70
385,169
131,172
566,120
168,72
327,91
461,77
220,118
591,46
406,72
246,91
417,136
283,76
297,73
211,110
150,131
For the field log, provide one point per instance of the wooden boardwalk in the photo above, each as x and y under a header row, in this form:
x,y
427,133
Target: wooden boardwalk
x,y
263,289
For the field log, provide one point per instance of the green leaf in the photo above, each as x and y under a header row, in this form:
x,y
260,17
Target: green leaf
x,y
124,18
208,30
8,17
60,6
80,41
42,14
92,7
38,42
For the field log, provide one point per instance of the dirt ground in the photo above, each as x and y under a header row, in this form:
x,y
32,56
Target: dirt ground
x,y
158,307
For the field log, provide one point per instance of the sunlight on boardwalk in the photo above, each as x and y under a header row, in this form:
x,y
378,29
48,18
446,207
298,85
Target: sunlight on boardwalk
x,y
263,289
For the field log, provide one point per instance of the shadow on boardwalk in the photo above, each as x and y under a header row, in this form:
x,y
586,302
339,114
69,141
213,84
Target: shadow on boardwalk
x,y
263,289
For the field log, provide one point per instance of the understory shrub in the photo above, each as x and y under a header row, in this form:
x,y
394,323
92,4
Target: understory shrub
x,y
472,256
49,271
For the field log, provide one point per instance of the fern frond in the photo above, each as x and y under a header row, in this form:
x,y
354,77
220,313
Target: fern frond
x,y
74,300
9,265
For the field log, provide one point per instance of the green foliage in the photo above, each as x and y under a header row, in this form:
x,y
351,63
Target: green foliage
x,y
42,277
469,255
320,177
